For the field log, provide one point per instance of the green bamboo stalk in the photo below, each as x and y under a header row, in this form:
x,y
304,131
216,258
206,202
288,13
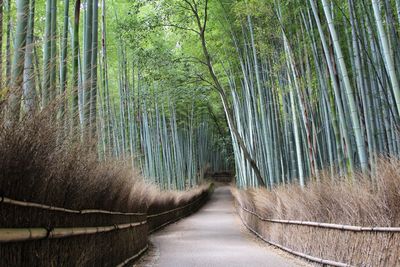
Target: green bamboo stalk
x,y
1,43
93,75
87,67
63,61
29,72
47,55
53,51
14,98
75,67
8,45
389,64
349,91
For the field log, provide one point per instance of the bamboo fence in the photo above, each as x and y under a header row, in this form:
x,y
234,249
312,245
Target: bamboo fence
x,y
296,253
47,207
26,234
342,227
152,222
259,231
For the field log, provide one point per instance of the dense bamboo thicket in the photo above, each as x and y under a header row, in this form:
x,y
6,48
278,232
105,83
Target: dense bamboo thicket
x,y
318,93
283,92
304,85
102,92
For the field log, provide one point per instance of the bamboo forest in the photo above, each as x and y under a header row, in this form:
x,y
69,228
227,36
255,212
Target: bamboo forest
x,y
200,133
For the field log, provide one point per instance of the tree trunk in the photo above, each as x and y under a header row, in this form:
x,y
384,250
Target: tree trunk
x,y
228,112
63,63
349,91
87,67
1,43
335,85
75,68
47,55
29,71
389,64
14,100
53,51
93,91
8,46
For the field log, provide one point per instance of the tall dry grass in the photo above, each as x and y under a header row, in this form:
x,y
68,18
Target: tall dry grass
x,y
365,202
37,165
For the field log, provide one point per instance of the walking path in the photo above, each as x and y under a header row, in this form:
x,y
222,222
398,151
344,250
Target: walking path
x,y
212,237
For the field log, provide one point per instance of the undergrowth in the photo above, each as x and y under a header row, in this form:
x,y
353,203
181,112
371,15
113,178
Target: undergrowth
x,y
39,165
366,201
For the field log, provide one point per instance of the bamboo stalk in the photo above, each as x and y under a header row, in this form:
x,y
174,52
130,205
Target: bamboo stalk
x,y
349,90
52,208
342,227
14,98
26,234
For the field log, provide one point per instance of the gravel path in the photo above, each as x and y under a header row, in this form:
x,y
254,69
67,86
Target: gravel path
x,y
212,237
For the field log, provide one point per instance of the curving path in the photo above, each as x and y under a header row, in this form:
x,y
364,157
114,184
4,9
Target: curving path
x,y
212,237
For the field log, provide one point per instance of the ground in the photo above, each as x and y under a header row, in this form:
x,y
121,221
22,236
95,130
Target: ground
x,y
214,236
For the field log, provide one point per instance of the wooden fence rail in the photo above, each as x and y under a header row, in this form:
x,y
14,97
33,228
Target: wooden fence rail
x,y
325,225
52,208
55,233
27,234
291,251
88,211
313,237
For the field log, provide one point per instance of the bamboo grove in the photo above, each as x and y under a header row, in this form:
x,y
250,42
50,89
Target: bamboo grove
x,y
57,60
325,96
306,86
284,89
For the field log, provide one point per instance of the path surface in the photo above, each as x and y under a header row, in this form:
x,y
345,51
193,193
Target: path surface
x,y
213,237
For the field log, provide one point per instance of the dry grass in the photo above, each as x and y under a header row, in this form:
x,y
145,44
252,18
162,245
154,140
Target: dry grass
x,y
337,201
164,201
38,166
160,201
